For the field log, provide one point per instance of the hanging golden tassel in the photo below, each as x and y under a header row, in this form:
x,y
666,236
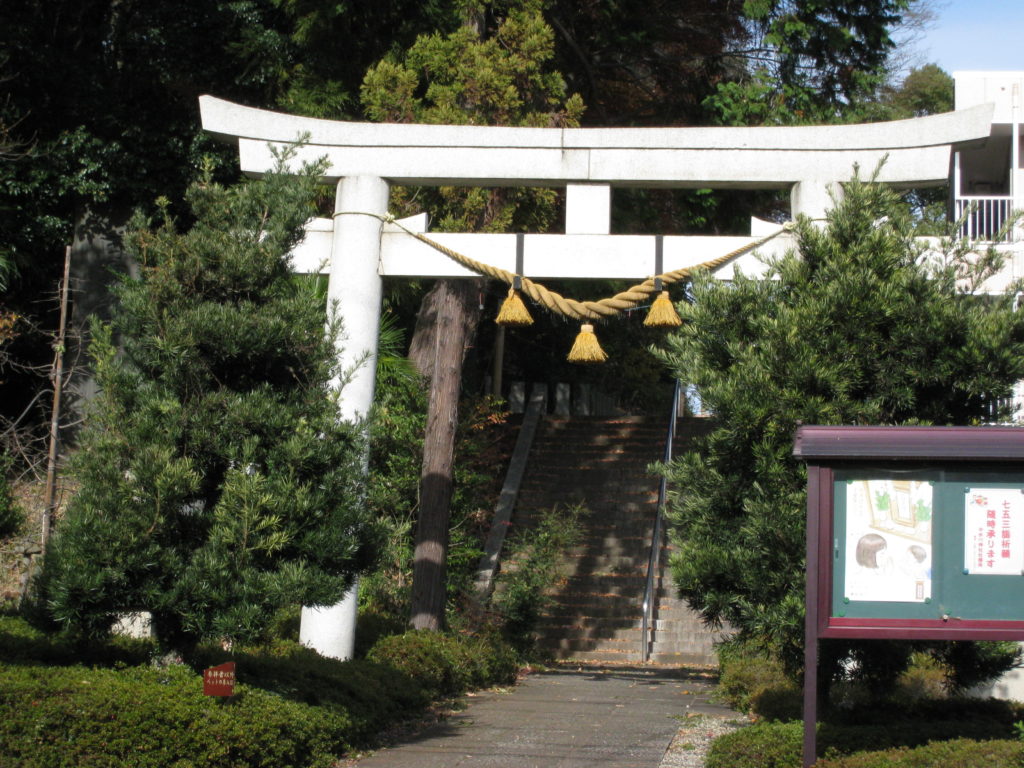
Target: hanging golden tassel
x,y
587,349
513,312
662,313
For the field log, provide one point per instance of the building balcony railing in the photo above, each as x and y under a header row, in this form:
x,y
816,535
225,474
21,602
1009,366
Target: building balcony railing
x,y
984,217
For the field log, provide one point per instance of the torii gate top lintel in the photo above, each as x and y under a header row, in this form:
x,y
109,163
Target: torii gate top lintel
x,y
917,149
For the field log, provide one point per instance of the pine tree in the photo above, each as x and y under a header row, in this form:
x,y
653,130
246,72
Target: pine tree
x,y
217,483
856,326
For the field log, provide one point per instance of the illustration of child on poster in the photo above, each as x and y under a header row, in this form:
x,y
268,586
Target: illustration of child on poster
x,y
888,540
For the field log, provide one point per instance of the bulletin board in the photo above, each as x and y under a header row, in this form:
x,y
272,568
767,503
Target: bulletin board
x,y
915,532
928,544
912,533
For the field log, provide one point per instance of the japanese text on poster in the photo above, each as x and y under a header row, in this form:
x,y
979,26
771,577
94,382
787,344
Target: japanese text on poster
x,y
994,531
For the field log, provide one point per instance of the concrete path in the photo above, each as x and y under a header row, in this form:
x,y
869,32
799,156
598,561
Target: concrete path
x,y
606,717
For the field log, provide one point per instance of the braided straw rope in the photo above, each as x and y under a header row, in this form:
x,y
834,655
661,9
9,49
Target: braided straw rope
x,y
555,302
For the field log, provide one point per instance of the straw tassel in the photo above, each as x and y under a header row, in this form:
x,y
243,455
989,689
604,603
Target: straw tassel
x,y
662,313
513,312
587,349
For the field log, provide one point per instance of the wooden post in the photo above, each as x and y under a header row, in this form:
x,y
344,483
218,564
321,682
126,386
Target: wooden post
x,y
57,376
499,361
811,621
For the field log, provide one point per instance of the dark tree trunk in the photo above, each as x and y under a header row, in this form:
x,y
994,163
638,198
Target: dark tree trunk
x,y
448,319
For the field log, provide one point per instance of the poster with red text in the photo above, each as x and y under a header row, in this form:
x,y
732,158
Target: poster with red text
x,y
994,531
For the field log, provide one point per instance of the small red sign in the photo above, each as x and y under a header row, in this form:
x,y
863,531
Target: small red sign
x,y
219,680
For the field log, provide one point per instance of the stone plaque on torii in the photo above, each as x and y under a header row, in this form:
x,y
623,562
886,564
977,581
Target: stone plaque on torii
x,y
358,247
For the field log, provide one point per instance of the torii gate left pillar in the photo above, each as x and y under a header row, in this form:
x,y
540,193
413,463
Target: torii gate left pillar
x,y
355,288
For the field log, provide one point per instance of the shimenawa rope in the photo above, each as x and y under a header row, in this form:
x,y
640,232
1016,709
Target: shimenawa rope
x,y
555,302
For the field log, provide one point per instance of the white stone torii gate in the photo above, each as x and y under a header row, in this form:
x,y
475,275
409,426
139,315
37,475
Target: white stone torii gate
x,y
364,158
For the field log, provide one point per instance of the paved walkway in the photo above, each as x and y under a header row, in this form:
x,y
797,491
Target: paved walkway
x,y
569,717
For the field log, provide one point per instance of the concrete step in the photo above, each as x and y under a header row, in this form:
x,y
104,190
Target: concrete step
x,y
625,644
669,613
577,635
611,550
603,463
566,613
685,658
598,656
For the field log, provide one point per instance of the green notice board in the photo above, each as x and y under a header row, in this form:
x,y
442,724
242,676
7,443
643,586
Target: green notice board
x,y
928,543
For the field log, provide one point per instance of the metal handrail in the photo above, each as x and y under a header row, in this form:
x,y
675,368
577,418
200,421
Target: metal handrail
x,y
655,554
982,217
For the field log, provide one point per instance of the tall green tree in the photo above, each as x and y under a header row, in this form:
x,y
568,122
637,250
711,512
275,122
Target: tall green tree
x,y
807,61
854,326
217,483
926,90
99,100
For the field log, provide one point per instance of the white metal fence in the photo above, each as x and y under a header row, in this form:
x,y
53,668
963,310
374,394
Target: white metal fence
x,y
985,216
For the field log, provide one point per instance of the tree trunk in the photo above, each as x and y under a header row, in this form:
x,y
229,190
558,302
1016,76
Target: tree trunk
x,y
448,318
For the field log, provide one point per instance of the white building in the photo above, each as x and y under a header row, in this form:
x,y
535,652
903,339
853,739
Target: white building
x,y
988,180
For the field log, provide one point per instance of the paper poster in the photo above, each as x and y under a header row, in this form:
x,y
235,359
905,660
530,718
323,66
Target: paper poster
x,y
994,531
888,540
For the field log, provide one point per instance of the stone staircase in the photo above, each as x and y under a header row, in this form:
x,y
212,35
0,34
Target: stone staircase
x,y
602,464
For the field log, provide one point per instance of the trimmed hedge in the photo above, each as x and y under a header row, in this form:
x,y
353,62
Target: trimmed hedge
x,y
959,753
779,745
753,682
446,665
292,707
144,717
371,696
22,643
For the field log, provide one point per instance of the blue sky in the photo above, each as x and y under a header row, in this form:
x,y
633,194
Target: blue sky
x,y
975,34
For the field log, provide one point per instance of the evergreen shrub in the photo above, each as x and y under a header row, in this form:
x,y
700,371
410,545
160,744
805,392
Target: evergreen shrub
x,y
535,555
369,695
373,625
446,665
858,324
780,745
21,643
217,482
958,753
293,707
748,677
145,717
